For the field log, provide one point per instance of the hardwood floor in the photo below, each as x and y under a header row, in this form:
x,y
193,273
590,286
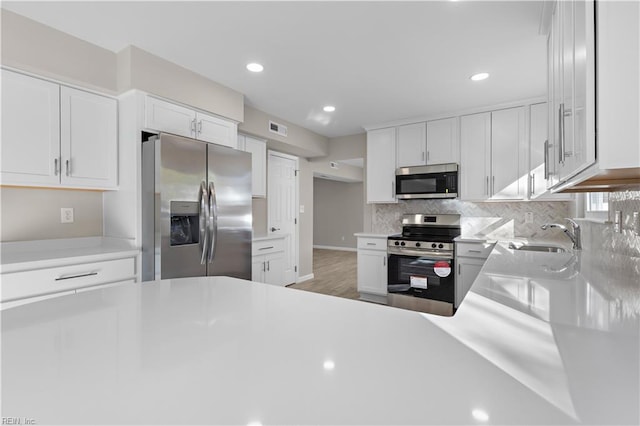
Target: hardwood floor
x,y
334,274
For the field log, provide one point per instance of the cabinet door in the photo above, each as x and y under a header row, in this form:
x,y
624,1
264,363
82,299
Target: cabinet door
x,y
475,160
554,98
442,141
566,109
372,272
538,115
30,130
258,268
412,145
258,150
216,130
468,270
89,139
167,117
381,166
274,269
508,153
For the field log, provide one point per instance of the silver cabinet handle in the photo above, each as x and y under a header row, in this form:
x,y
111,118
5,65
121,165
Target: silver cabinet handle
x,y
371,244
459,271
546,159
203,222
266,248
68,166
486,185
384,261
200,126
533,183
213,219
474,251
493,185
561,133
274,229
422,155
193,125
393,189
427,155
55,167
87,274
264,266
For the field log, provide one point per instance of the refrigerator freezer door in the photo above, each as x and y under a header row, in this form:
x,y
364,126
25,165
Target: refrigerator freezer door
x,y
229,176
180,174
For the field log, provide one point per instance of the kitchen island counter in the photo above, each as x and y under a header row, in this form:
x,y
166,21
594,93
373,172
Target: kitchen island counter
x,y
540,339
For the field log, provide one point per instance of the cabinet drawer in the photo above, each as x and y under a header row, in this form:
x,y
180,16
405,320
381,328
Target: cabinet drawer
x,y
18,285
267,246
372,243
480,250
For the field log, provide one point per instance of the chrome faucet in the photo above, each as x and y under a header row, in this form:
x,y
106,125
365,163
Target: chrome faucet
x,y
573,234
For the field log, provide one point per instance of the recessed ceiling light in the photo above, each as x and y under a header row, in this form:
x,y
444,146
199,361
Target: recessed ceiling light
x,y
329,365
479,76
329,108
255,67
480,415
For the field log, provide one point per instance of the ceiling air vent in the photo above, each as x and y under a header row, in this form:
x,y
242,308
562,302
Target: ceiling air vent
x,y
277,128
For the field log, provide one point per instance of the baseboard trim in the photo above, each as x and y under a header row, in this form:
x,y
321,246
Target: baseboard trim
x,y
304,278
334,248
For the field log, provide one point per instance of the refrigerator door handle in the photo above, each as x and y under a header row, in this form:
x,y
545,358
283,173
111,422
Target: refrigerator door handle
x,y
203,199
213,220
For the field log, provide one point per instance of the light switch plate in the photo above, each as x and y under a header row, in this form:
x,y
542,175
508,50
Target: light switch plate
x,y
528,217
301,208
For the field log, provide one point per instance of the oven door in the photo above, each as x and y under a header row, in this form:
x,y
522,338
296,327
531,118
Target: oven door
x,y
425,276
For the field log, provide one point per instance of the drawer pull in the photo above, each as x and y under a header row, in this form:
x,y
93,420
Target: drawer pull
x,y
88,274
371,244
266,248
474,251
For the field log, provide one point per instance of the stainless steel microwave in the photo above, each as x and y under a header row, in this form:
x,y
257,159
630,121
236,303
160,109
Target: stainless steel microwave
x,y
434,181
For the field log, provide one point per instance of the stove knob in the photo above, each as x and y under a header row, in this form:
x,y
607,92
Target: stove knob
x,y
402,243
397,243
440,245
433,245
417,244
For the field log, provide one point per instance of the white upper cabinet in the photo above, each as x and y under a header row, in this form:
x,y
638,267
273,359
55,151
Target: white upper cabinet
x,y
170,118
411,145
508,153
381,165
89,139
442,141
475,156
30,130
258,150
167,117
57,136
216,130
493,153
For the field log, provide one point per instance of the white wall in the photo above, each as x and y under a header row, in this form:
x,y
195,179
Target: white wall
x,y
338,213
34,214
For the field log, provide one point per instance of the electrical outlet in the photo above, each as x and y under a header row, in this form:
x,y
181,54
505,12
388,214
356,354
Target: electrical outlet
x,y
528,217
301,208
66,215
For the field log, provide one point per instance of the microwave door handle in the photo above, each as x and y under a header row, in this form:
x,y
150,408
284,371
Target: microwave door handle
x,y
203,241
213,220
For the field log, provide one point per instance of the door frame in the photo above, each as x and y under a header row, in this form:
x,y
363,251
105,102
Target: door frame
x,y
296,215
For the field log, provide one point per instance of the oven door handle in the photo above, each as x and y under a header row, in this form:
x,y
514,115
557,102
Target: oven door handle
x,y
420,253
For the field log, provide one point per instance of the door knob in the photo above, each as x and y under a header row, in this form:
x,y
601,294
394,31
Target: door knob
x,y
274,229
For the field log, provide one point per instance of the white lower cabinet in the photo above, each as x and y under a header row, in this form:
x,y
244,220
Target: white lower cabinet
x,y
33,285
267,261
470,258
372,268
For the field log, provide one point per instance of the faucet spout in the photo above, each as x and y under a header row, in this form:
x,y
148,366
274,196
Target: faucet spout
x,y
573,234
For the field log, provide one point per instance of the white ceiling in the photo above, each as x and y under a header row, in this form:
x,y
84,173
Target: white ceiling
x,y
375,61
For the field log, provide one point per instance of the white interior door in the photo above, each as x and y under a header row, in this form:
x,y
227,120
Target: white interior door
x,y
282,200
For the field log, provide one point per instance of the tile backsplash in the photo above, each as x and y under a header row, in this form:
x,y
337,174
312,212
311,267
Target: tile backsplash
x,y
601,236
492,219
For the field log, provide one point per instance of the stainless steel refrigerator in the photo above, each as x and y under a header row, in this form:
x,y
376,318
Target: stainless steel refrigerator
x,y
196,209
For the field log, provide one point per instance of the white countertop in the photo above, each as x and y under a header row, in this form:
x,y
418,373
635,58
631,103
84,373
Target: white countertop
x,y
27,255
369,235
541,338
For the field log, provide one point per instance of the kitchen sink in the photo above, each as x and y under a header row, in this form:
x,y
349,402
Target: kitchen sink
x,y
537,247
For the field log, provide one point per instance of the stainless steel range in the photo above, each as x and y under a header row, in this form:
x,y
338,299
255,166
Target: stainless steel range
x,y
421,263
